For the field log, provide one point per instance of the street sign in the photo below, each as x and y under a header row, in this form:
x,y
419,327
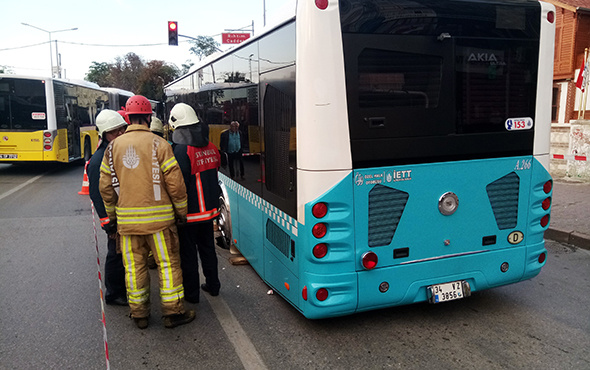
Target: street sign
x,y
234,38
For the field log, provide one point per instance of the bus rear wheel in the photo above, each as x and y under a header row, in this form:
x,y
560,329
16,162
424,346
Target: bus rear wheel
x,y
224,224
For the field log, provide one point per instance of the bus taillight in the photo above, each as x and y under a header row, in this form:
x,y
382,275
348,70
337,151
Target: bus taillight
x,y
542,257
319,230
545,221
320,250
548,186
551,17
47,140
322,294
370,260
546,204
321,4
319,210
304,293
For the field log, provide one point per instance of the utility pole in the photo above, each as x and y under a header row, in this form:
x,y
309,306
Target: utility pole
x,y
50,51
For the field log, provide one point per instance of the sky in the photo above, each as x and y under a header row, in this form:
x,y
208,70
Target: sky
x,y
103,26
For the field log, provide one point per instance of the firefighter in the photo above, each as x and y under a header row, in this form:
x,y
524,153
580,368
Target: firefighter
x,y
144,192
199,161
110,125
157,127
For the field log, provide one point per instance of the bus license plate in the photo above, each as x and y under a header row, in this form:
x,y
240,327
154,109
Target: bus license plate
x,y
8,156
446,292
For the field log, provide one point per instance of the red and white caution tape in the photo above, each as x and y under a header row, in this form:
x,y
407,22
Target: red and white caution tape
x,y
570,157
104,321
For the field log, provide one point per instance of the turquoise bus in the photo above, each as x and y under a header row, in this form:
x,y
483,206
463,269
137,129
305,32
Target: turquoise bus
x,y
395,151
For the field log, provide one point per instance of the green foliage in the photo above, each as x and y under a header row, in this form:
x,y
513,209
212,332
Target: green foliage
x,y
132,73
203,46
186,67
100,74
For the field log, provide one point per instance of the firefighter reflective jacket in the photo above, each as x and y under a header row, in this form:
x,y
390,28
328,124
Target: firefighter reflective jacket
x,y
141,183
199,165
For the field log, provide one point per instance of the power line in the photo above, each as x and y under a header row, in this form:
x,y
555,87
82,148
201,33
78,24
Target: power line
x,y
111,46
24,46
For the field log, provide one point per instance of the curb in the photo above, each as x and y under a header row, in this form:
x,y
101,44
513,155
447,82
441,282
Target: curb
x,y
569,237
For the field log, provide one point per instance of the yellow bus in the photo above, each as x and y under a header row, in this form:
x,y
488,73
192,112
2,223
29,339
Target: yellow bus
x,y
47,119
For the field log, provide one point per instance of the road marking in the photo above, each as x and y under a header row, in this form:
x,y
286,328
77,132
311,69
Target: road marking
x,y
2,196
251,359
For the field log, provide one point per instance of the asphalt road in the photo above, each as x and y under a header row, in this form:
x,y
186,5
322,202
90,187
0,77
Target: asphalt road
x,y
50,312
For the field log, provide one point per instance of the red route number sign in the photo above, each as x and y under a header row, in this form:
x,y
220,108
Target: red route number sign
x,y
234,38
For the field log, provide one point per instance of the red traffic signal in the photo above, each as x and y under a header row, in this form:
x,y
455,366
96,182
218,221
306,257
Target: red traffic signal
x,y
172,33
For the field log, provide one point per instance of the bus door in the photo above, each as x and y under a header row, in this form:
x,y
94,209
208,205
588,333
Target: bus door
x,y
73,121
278,152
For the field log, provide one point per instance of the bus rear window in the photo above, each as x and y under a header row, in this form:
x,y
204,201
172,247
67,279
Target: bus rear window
x,y
22,104
395,79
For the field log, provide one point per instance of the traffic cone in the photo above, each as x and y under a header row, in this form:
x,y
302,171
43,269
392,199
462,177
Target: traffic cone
x,y
85,184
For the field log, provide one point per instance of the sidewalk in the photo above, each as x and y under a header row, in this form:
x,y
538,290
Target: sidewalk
x,y
570,213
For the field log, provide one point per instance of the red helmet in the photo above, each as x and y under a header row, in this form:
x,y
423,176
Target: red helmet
x,y
123,113
138,104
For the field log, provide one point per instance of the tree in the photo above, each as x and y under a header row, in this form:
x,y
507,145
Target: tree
x,y
204,46
100,74
186,67
132,73
154,76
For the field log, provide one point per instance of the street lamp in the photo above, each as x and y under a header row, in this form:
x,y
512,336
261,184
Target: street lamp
x,y
50,52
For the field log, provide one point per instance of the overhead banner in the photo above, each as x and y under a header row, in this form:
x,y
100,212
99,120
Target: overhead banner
x,y
234,38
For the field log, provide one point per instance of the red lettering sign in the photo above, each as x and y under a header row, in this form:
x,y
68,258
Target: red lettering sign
x,y
234,38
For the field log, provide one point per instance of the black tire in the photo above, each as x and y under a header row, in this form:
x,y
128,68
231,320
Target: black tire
x,y
224,239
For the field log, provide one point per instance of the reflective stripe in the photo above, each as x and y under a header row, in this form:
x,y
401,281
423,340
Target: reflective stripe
x,y
181,204
144,220
109,208
130,277
104,221
164,259
203,216
153,209
200,196
168,164
175,290
138,296
142,215
173,296
105,168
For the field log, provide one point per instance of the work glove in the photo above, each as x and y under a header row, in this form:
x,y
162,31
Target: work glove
x,y
180,221
110,228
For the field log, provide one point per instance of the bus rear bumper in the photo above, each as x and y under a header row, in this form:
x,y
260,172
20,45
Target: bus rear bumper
x,y
482,271
365,290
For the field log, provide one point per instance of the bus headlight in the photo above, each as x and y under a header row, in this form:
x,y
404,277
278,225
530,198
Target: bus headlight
x,y
448,203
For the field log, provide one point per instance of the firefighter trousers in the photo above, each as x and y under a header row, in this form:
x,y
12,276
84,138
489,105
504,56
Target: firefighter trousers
x,y
114,273
165,248
198,236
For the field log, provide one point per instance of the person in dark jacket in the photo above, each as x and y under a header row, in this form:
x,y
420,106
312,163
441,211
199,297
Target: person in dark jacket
x,y
230,142
199,162
110,125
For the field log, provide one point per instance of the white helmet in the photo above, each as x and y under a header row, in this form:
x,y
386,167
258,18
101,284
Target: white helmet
x,y
109,120
182,115
156,125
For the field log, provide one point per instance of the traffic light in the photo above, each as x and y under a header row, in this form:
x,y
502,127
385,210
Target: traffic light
x,y
172,33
